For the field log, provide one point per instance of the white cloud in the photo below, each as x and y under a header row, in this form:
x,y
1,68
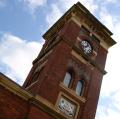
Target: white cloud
x,y
110,91
89,4
57,9
116,30
54,15
111,1
17,55
107,18
111,80
33,4
110,115
112,64
109,106
110,20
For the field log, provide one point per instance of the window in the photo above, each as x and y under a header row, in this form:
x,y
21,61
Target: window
x,y
67,79
79,87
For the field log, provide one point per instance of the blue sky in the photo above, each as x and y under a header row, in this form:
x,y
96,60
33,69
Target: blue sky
x,y
22,24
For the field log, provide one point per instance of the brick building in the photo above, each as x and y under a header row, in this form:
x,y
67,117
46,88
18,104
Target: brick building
x,y
65,80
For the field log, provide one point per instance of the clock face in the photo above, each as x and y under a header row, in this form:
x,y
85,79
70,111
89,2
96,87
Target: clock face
x,y
87,48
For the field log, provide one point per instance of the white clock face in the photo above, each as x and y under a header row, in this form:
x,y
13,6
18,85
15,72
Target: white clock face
x,y
86,47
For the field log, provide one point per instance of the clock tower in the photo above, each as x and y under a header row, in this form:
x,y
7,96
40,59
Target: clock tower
x,y
69,69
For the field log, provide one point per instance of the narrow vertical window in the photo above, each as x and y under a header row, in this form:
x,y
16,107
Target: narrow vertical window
x,y
67,79
79,87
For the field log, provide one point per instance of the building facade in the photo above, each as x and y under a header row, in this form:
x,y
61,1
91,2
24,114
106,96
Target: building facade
x,y
66,77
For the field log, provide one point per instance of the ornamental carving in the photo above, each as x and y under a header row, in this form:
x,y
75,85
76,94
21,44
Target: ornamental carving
x,y
67,107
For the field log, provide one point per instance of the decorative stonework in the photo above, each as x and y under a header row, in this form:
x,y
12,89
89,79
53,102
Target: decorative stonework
x,y
67,107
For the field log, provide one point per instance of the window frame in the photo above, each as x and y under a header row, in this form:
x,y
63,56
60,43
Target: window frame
x,y
71,72
67,78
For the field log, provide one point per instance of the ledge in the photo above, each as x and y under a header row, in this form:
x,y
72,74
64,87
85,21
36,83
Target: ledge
x,y
71,92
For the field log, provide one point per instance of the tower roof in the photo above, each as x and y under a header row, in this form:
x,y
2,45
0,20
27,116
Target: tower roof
x,y
79,10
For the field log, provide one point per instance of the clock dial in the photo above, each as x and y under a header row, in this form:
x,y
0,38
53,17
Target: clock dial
x,y
87,48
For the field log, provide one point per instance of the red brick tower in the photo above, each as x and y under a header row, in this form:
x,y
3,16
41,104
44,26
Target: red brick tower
x,y
69,69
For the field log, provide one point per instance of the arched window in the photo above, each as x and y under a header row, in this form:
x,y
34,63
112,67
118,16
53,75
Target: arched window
x,y
67,79
79,87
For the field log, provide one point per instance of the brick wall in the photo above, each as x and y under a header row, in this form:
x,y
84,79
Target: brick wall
x,y
14,107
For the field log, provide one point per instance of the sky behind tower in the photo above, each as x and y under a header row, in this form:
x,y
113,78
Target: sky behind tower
x,y
22,24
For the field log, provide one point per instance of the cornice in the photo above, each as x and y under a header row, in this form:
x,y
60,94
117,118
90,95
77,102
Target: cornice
x,y
80,11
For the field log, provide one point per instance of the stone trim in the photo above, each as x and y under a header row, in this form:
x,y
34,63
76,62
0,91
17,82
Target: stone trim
x,y
36,100
14,87
102,42
62,94
73,93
